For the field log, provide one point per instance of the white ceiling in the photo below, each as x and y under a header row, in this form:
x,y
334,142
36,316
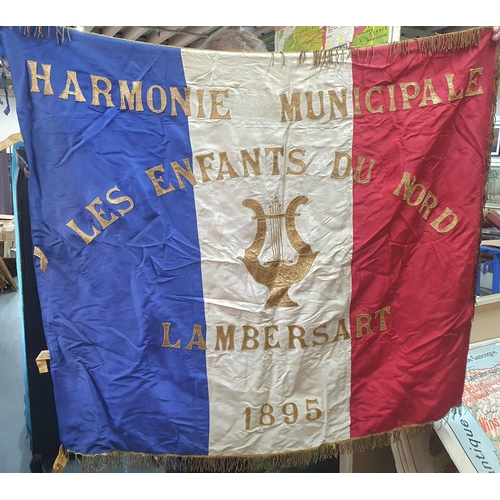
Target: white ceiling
x,y
178,36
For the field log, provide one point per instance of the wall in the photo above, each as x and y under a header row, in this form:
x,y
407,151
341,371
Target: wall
x,y
486,322
378,460
8,123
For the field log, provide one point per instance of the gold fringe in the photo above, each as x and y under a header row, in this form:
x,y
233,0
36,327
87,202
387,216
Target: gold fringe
x,y
272,60
437,43
322,57
450,41
256,463
61,32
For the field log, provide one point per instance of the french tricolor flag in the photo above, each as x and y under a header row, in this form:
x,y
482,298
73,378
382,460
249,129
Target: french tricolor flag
x,y
247,254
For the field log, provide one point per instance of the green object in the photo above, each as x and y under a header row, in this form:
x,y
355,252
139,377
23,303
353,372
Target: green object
x,y
306,38
371,36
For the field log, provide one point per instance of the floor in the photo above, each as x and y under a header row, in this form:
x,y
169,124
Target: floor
x,y
15,454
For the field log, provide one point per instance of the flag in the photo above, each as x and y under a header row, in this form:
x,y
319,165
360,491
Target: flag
x,y
250,255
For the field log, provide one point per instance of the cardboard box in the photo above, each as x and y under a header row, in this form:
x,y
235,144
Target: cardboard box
x,y
7,246
9,233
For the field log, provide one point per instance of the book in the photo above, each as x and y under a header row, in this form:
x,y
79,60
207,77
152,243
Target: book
x,y
467,440
471,434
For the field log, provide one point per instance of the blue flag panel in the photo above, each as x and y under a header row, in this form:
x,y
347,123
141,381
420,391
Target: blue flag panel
x,y
112,378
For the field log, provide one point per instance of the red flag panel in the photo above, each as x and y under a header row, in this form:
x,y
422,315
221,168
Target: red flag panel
x,y
423,123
